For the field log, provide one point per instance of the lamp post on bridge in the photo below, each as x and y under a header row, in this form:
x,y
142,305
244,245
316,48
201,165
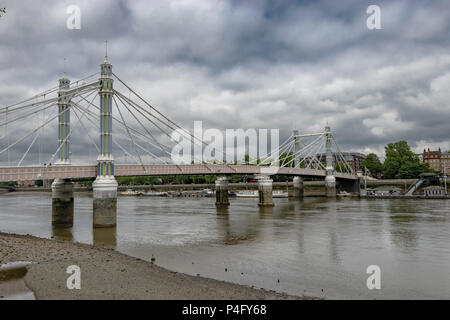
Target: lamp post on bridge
x,y
105,185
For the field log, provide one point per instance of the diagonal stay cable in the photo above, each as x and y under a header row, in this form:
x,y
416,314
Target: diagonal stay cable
x,y
121,123
129,134
145,129
96,118
162,115
31,145
29,134
52,104
85,129
46,92
184,132
64,141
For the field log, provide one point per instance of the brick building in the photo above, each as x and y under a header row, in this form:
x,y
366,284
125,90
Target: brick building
x,y
354,159
437,160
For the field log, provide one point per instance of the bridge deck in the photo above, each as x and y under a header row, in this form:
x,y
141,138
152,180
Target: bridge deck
x,y
90,171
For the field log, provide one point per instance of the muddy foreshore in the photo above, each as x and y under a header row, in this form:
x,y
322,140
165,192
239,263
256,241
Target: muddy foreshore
x,y
109,274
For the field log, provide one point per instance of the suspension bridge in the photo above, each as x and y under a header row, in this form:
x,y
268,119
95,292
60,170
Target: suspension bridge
x,y
143,135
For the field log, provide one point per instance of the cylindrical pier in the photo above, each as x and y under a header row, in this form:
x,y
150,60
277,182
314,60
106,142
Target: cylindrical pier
x,y
105,202
222,192
298,187
330,186
265,191
62,202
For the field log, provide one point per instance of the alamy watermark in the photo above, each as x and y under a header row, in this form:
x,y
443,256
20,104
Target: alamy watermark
x,y
374,280
74,19
374,20
250,146
74,280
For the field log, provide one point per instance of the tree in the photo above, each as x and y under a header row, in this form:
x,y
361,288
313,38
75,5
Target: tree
x,y
286,159
2,10
401,162
373,163
410,170
341,167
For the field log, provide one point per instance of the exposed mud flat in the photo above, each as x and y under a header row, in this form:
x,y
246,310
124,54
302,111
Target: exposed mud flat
x,y
108,274
12,284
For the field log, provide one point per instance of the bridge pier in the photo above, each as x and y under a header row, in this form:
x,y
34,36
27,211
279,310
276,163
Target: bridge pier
x,y
222,192
352,186
330,186
265,191
298,188
105,202
62,202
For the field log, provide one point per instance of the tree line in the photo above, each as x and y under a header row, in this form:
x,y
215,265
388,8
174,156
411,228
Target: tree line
x,y
400,163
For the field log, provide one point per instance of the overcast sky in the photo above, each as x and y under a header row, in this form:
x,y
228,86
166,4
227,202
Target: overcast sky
x,y
260,64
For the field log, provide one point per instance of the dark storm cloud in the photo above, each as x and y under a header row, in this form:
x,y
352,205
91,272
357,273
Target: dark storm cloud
x,y
263,64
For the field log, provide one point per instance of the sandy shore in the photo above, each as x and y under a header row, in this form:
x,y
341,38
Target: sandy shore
x,y
108,274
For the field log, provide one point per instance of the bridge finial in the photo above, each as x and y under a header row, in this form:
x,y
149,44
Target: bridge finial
x,y
106,50
64,69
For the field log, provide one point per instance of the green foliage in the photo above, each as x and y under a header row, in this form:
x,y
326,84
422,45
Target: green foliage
x,y
170,179
401,162
411,170
340,167
2,10
286,159
373,163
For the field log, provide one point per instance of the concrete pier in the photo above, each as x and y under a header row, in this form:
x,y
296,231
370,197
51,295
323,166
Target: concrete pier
x,y
330,186
222,192
105,202
265,191
298,188
62,202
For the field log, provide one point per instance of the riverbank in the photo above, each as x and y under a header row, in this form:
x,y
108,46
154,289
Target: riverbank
x,y
109,274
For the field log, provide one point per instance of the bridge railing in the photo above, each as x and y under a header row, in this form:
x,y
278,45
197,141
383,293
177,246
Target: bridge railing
x,y
90,171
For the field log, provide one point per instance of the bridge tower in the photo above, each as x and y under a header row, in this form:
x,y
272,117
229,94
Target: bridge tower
x,y
105,185
297,181
330,180
62,189
63,122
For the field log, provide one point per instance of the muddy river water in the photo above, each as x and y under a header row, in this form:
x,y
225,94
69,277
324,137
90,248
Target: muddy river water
x,y
315,246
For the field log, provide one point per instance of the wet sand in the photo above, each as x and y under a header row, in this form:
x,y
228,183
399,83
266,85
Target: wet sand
x,y
108,274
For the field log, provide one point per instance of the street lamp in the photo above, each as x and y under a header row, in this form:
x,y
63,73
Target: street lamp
x,y
445,179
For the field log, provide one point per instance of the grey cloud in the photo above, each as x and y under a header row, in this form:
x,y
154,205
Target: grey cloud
x,y
268,64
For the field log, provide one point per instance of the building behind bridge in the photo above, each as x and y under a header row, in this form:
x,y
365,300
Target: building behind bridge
x,y
354,159
437,160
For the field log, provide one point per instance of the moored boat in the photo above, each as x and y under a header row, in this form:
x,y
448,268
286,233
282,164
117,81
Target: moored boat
x,y
130,192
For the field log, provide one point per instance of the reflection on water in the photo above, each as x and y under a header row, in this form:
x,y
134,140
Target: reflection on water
x,y
62,233
313,246
105,237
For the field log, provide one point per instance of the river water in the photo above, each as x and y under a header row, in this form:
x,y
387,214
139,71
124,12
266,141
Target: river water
x,y
314,247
